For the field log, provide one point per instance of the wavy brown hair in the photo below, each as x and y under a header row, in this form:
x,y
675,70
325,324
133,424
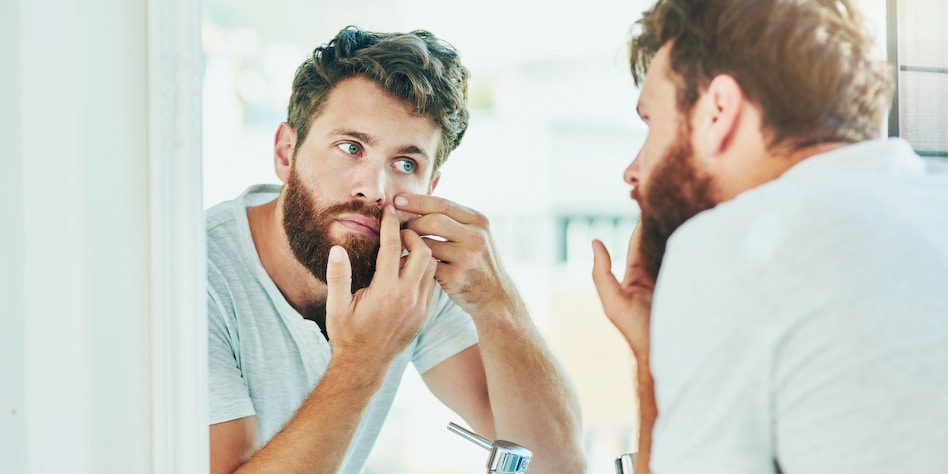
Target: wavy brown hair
x,y
416,67
807,64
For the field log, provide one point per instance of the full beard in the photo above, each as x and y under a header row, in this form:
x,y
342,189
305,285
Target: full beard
x,y
676,192
307,227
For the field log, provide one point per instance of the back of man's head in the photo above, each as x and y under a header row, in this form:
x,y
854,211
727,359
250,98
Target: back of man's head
x,y
808,64
416,67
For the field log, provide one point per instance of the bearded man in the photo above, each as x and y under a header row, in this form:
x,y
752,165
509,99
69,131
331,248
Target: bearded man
x,y
320,292
785,292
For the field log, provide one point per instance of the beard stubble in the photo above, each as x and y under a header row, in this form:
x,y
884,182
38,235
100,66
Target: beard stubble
x,y
307,227
676,192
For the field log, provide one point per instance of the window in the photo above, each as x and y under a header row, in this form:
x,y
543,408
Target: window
x,y
918,46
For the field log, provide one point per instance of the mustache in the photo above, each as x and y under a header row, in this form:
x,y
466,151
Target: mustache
x,y
356,207
367,210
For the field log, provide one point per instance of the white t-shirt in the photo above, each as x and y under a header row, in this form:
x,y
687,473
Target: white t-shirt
x,y
265,358
806,321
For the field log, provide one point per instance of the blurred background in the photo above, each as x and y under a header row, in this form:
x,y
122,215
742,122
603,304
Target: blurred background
x,y
553,127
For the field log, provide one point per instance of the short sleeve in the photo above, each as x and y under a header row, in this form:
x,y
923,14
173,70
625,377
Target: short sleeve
x,y
449,331
229,397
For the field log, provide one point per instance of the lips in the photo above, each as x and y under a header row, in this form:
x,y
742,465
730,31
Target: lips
x,y
360,225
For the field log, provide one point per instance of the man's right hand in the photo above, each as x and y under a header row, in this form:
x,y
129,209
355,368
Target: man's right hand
x,y
629,306
376,323
368,330
628,303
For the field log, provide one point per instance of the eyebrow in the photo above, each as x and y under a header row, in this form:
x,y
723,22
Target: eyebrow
x,y
369,140
414,150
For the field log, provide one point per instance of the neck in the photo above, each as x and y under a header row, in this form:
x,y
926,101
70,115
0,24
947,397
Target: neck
x,y
781,159
300,288
766,165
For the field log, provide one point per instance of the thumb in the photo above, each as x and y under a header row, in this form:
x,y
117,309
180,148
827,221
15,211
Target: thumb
x,y
607,286
338,279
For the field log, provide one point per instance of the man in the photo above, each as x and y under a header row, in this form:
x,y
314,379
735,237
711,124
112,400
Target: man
x,y
799,320
322,291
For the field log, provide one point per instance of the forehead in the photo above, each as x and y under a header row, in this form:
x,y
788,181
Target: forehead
x,y
360,104
658,85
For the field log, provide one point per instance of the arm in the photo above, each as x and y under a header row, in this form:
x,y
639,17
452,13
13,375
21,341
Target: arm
x,y
648,412
531,399
628,304
461,384
314,440
368,329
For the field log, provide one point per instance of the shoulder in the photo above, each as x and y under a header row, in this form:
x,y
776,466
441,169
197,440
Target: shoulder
x,y
228,218
799,214
446,320
752,256
744,232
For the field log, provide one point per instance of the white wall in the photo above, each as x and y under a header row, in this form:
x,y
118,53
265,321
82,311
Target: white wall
x,y
12,350
102,336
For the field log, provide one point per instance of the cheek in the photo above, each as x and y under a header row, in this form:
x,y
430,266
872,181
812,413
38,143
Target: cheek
x,y
324,192
657,148
408,185
646,161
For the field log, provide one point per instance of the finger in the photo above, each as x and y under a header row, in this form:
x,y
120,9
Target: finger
x,y
425,204
338,280
447,252
440,225
635,273
390,245
607,286
428,284
416,262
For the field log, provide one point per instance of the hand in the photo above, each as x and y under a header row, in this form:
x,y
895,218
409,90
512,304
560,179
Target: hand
x,y
627,304
377,322
468,268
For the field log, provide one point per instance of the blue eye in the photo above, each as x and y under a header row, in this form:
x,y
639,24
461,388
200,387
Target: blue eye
x,y
405,166
349,148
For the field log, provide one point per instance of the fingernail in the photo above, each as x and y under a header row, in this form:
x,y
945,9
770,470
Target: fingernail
x,y
390,209
401,200
336,254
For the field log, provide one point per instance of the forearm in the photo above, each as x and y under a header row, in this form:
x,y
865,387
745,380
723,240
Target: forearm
x,y
318,436
648,412
532,400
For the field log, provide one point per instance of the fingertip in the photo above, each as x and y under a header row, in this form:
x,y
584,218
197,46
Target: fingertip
x,y
598,247
601,258
336,254
401,200
389,223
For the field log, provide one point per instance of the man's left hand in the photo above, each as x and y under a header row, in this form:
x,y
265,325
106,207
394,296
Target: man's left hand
x,y
459,238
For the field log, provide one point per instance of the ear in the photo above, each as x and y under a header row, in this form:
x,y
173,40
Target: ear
x,y
284,144
434,181
722,105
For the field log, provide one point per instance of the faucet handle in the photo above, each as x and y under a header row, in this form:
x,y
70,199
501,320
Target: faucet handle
x,y
508,458
505,457
624,463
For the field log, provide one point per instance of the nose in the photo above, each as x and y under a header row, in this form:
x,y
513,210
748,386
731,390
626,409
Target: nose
x,y
632,172
370,183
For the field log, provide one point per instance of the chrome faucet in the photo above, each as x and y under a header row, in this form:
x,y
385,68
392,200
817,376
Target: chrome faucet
x,y
624,463
505,457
